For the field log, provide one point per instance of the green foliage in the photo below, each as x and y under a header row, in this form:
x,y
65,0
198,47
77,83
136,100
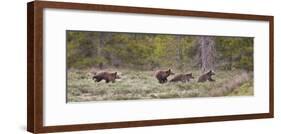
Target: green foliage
x,y
152,51
235,53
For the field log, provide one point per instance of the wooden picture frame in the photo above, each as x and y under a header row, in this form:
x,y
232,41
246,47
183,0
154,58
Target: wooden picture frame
x,y
35,63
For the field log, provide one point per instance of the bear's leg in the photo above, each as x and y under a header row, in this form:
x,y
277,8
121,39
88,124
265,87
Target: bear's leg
x,y
98,80
201,80
165,80
210,79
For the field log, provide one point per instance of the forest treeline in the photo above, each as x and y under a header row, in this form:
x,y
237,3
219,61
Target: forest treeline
x,y
153,51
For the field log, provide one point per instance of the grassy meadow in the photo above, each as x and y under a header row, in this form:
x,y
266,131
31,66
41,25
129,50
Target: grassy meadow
x,y
135,85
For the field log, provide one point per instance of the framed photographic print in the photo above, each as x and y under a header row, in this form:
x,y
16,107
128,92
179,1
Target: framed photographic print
x,y
101,66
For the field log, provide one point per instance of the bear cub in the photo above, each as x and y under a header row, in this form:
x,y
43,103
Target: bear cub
x,y
162,76
108,77
206,77
182,78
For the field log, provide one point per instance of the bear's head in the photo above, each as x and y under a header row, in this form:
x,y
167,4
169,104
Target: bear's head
x,y
211,72
116,76
189,75
169,72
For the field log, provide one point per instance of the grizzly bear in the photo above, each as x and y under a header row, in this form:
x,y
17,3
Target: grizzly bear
x,y
206,76
162,76
182,77
108,77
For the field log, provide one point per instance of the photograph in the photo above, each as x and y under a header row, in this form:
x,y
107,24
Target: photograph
x,y
112,66
94,66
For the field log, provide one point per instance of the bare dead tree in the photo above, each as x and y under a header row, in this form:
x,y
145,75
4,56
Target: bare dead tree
x,y
206,53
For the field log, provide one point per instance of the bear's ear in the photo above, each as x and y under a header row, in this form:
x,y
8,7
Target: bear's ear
x,y
115,73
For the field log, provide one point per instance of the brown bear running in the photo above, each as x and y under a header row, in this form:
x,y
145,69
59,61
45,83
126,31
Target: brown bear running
x,y
162,76
182,78
206,77
106,76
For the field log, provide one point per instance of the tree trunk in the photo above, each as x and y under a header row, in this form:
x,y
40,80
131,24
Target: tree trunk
x,y
206,53
178,52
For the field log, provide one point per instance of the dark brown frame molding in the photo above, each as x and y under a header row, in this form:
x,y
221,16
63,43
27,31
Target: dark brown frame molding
x,y
35,66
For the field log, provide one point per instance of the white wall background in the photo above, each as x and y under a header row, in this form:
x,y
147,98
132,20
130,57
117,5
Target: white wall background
x,y
13,66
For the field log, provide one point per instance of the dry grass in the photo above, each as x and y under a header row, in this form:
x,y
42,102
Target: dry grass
x,y
143,85
230,85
